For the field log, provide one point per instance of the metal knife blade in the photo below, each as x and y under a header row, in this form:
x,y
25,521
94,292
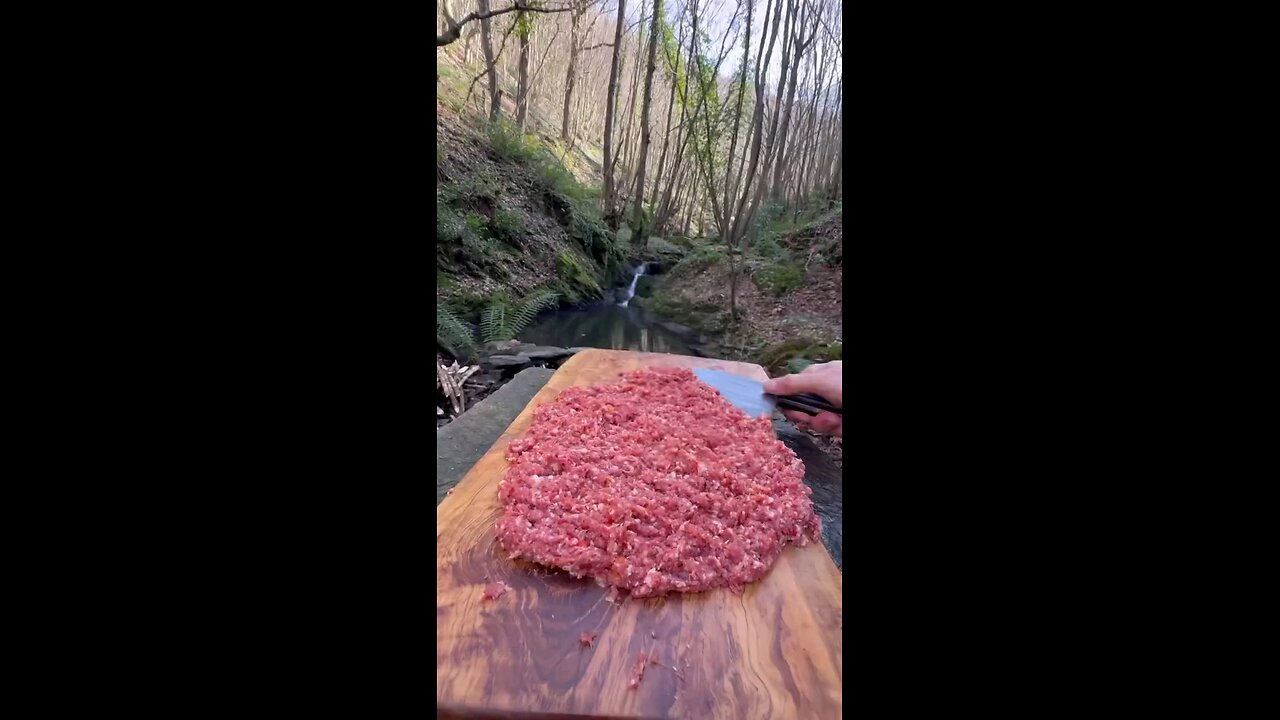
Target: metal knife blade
x,y
749,395
744,393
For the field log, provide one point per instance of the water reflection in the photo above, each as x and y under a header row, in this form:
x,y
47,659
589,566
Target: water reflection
x,y
604,326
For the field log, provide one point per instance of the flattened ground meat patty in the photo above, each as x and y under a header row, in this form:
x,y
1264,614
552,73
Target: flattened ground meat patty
x,y
653,485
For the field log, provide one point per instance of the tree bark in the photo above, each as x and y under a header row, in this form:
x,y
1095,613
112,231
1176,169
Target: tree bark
x,y
522,90
608,197
644,124
683,133
731,182
571,74
739,225
486,44
628,139
798,47
672,63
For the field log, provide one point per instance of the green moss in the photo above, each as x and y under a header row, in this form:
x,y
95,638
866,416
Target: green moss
x,y
798,365
778,279
666,249
578,274
776,357
699,259
644,286
709,318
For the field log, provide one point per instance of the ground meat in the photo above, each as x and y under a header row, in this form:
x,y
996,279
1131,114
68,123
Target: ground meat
x,y
587,638
493,591
655,484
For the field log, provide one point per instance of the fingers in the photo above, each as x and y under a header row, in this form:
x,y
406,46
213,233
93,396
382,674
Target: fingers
x,y
823,422
828,423
788,385
797,417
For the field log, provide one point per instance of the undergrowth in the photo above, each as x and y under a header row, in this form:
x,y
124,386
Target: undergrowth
x,y
500,319
503,318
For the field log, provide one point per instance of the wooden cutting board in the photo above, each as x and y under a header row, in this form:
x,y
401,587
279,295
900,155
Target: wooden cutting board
x,y
773,652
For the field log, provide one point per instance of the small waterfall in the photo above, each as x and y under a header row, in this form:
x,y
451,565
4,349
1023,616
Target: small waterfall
x,y
631,290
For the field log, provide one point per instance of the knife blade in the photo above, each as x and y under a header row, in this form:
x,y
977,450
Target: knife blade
x,y
749,396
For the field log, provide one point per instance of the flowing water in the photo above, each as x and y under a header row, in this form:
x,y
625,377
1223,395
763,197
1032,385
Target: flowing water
x,y
631,289
609,324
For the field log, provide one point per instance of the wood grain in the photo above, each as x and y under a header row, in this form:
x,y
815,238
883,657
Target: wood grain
x,y
773,652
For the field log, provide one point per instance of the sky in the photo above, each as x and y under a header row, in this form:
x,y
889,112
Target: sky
x,y
718,17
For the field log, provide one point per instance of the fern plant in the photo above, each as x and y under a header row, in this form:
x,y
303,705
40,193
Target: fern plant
x,y
501,320
452,334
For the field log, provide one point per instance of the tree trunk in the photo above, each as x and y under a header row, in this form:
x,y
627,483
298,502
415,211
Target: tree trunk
x,y
799,48
683,133
608,197
771,150
522,90
731,182
627,136
811,136
673,63
644,124
486,44
739,225
571,74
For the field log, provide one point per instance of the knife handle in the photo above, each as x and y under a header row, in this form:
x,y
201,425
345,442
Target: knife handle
x,y
807,403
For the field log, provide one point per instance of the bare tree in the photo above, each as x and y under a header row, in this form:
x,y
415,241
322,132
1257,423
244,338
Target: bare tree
x,y
673,63
730,180
608,197
524,28
570,77
737,227
799,44
644,125
486,44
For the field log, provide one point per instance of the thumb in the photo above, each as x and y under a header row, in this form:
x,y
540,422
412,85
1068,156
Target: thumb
x,y
786,385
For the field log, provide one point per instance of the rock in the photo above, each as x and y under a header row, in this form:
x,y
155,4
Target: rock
x,y
507,363
678,329
507,347
545,353
645,285
462,442
481,379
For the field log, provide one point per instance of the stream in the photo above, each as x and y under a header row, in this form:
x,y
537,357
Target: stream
x,y
611,324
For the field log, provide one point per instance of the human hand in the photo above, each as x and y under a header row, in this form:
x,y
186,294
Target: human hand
x,y
824,380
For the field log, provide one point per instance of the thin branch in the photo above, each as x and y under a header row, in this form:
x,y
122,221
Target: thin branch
x,y
455,28
502,46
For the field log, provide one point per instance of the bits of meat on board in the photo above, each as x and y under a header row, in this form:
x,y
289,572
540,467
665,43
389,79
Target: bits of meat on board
x,y
495,590
587,639
637,672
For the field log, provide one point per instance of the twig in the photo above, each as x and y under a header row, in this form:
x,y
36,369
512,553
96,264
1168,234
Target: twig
x,y
455,27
